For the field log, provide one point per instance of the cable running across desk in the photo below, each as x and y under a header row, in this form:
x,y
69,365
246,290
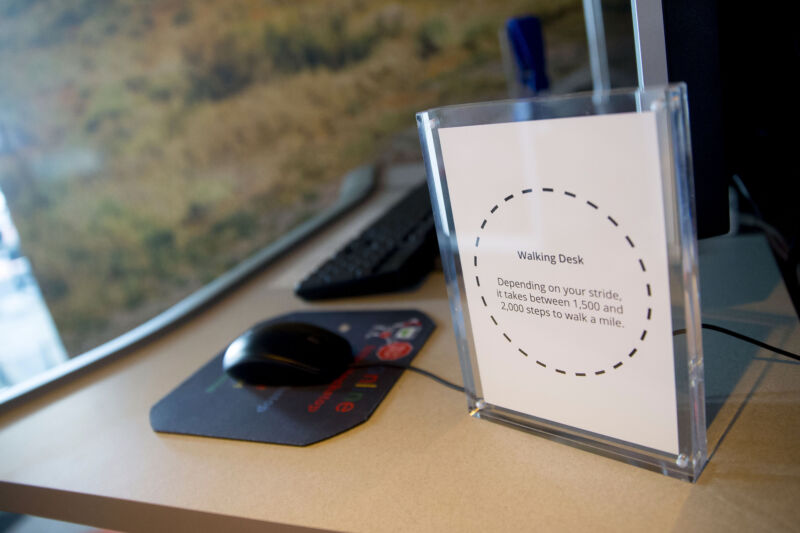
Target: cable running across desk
x,y
745,338
712,327
418,370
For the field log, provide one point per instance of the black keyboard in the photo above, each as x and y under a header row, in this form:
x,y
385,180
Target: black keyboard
x,y
394,253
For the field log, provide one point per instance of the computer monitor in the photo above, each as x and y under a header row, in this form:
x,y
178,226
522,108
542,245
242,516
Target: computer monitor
x,y
737,61
678,41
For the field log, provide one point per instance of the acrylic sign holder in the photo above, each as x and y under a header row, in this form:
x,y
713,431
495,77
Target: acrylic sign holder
x,y
567,237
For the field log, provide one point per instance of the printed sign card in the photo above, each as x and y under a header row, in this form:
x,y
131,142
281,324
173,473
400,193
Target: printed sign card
x,y
563,250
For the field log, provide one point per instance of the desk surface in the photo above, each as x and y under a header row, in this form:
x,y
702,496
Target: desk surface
x,y
84,451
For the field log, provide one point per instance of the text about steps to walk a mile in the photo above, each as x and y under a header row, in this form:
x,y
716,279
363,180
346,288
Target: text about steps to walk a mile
x,y
539,300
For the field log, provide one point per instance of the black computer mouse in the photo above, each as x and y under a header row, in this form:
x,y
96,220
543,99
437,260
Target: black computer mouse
x,y
287,354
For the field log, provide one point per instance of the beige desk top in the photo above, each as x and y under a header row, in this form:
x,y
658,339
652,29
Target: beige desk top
x,y
85,452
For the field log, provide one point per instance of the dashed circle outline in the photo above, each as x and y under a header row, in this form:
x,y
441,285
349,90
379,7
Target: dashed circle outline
x,y
628,240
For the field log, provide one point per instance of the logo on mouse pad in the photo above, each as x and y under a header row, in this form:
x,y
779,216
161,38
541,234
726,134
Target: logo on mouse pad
x,y
394,351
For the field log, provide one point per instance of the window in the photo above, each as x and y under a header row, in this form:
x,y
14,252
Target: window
x,y
148,147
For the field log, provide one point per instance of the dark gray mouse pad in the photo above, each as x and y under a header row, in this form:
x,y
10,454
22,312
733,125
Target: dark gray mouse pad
x,y
211,404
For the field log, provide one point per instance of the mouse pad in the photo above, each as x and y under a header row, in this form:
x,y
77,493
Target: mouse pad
x,y
211,404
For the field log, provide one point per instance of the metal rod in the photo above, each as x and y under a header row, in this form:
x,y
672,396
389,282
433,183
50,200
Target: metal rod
x,y
596,36
651,50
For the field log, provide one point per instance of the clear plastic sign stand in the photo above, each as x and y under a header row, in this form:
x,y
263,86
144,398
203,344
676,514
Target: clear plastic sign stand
x,y
567,237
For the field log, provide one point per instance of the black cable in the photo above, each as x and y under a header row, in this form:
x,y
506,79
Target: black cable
x,y
414,369
712,327
751,340
743,337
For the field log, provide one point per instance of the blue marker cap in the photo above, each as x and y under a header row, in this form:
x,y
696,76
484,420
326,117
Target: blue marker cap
x,y
527,44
